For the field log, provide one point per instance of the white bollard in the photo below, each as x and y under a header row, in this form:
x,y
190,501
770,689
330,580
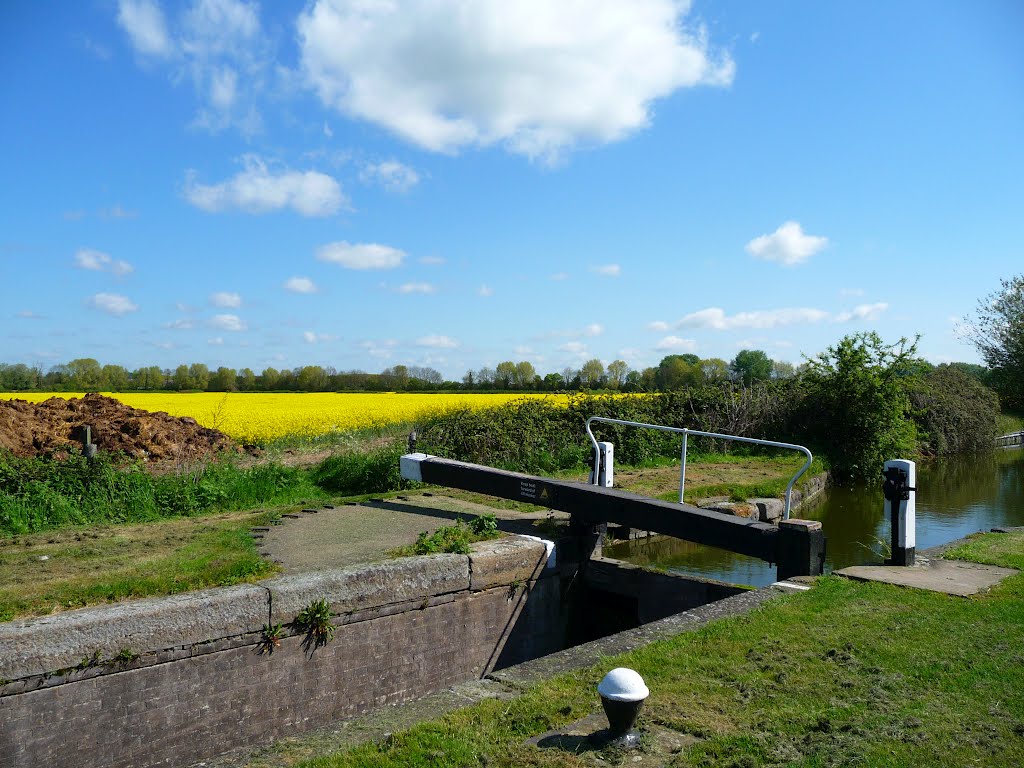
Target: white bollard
x,y
606,466
900,490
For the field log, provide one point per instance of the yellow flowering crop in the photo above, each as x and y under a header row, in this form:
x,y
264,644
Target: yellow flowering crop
x,y
256,417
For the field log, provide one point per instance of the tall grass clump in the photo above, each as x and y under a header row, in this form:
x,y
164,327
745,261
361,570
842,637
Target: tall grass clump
x,y
351,474
43,493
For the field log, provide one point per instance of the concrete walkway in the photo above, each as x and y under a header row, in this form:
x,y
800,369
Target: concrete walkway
x,y
367,532
952,577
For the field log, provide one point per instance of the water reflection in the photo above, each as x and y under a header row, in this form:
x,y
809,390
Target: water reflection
x,y
955,497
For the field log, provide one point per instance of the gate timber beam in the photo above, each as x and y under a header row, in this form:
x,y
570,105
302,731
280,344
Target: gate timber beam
x,y
798,549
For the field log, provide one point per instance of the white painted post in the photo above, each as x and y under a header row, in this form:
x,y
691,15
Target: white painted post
x,y
606,477
900,491
682,470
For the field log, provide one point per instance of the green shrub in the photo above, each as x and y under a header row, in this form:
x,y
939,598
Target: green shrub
x,y
954,412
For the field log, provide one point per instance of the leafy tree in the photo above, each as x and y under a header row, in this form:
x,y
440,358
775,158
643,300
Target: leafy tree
x,y
714,370
751,365
856,404
85,375
469,379
246,380
783,370
505,374
270,379
525,375
223,380
678,371
199,374
617,372
592,373
181,380
114,378
955,412
18,377
554,381
998,334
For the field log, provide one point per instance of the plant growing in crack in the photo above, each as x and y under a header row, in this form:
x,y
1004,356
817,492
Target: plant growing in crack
x,y
315,621
272,634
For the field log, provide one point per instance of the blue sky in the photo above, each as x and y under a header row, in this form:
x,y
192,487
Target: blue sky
x,y
457,183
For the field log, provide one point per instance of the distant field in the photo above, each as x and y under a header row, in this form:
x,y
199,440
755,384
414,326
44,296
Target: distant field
x,y
255,417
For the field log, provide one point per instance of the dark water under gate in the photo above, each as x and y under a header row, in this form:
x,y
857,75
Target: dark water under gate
x,y
955,497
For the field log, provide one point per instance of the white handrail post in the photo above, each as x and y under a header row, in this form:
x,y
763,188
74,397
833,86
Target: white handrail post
x,y
682,471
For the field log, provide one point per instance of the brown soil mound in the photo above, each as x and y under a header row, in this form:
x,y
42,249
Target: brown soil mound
x,y
33,429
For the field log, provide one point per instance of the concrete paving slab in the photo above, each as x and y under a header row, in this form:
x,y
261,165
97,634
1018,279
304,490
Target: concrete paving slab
x,y
953,577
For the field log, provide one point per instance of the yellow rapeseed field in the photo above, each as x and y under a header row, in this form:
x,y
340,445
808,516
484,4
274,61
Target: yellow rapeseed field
x,y
256,417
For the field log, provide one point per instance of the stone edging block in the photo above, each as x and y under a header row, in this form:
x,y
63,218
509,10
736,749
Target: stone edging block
x,y
508,560
368,586
64,640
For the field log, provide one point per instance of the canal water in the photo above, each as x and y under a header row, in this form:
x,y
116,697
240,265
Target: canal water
x,y
955,497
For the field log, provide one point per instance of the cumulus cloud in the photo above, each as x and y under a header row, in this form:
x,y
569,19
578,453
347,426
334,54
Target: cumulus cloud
x,y
226,299
97,261
258,189
113,304
607,270
228,323
594,329
392,175
361,255
537,77
379,348
416,288
144,23
787,245
577,348
677,344
716,319
437,342
862,312
300,285
218,45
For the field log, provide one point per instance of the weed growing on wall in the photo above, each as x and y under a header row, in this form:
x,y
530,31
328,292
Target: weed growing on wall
x,y
315,621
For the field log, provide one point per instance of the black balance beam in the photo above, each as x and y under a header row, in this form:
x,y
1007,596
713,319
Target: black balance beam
x,y
593,505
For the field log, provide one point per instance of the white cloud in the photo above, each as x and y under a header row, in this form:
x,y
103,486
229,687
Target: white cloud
x,y
560,276
226,299
217,341
677,344
577,348
113,304
218,46
144,23
179,325
788,245
437,342
608,270
228,323
658,325
522,350
392,175
361,255
379,349
312,337
300,285
416,288
485,291
715,318
117,211
538,77
97,261
594,329
257,189
862,312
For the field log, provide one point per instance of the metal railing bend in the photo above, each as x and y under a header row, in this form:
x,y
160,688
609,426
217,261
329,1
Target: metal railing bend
x,y
687,432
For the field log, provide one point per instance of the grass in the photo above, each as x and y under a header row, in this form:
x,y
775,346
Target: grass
x,y
100,564
847,674
1009,422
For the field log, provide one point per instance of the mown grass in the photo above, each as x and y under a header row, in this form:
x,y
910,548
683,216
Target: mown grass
x,y
847,674
80,566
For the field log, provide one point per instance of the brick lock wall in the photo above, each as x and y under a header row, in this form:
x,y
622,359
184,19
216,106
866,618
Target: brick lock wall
x,y
229,694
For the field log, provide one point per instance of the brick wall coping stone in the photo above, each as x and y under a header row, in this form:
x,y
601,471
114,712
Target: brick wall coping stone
x,y
52,645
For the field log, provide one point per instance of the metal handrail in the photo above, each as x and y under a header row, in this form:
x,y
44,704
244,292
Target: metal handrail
x,y
685,432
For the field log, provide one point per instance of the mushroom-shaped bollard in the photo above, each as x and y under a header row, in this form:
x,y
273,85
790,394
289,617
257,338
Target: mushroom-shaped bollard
x,y
622,695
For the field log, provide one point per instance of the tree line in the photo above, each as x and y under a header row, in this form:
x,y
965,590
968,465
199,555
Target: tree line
x,y
673,372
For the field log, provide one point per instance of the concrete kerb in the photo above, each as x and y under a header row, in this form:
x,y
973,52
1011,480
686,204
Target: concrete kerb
x,y
64,640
